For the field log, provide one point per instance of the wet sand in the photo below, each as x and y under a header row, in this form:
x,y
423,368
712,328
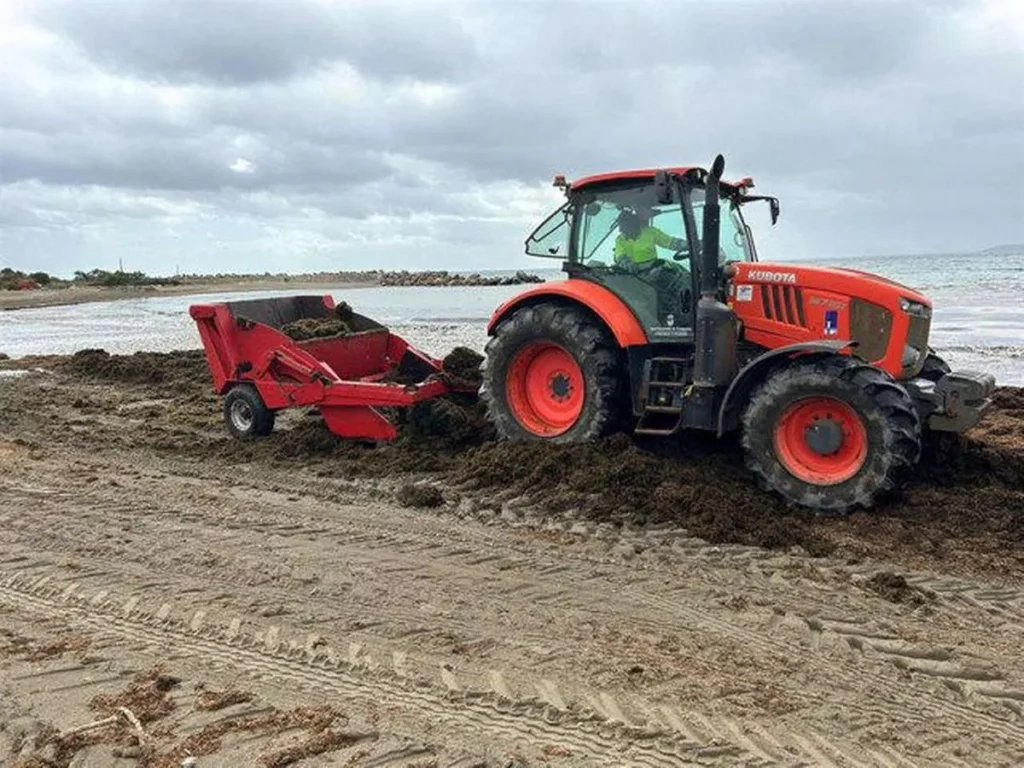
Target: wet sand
x,y
611,604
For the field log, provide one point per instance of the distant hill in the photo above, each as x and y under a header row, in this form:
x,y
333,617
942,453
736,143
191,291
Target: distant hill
x,y
1003,250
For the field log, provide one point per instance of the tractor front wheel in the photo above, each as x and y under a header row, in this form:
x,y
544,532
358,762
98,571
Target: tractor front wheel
x,y
552,373
831,435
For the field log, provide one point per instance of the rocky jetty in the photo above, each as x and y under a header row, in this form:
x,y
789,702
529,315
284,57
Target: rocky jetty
x,y
443,277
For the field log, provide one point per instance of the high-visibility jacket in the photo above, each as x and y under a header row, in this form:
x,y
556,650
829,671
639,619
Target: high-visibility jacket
x,y
642,249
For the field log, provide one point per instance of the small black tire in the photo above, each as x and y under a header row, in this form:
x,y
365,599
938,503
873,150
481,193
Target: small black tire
x,y
589,345
891,432
934,367
937,443
245,413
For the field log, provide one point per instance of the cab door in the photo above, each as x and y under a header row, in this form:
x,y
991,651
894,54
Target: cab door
x,y
662,298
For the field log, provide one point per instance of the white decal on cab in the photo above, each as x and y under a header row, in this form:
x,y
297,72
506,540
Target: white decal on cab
x,y
772,277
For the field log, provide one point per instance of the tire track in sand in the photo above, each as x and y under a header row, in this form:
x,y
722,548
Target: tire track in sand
x,y
816,635
591,730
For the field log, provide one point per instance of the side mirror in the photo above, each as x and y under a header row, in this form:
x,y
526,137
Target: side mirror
x,y
773,205
663,187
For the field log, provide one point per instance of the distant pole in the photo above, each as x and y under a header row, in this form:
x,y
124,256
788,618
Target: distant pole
x,y
120,266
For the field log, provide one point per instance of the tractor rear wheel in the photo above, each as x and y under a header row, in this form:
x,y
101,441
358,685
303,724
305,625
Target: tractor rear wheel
x,y
552,373
832,435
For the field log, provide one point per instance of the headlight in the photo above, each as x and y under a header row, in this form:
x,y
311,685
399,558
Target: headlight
x,y
910,356
914,308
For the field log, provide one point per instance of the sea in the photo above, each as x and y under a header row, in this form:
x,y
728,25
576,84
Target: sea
x,y
978,322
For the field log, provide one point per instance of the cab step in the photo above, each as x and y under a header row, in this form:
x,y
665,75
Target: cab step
x,y
663,395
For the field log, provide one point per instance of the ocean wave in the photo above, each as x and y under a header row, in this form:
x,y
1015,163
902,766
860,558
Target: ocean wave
x,y
447,320
1003,351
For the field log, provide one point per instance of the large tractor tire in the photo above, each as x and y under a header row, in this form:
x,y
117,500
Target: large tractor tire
x,y
552,373
831,435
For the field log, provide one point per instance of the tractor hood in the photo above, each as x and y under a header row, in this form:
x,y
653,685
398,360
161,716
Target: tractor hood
x,y
905,289
853,283
782,304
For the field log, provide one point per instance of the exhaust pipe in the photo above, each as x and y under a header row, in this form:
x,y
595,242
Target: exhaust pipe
x,y
709,237
715,355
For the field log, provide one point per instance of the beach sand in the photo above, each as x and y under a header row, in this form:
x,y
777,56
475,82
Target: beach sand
x,y
456,601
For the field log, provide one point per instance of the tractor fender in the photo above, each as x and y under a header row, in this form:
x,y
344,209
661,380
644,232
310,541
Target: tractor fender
x,y
609,308
755,371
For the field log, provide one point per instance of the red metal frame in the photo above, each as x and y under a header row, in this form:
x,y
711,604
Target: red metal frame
x,y
342,376
649,173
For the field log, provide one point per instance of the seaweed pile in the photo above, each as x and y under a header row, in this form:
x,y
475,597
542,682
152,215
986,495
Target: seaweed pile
x,y
338,323
965,504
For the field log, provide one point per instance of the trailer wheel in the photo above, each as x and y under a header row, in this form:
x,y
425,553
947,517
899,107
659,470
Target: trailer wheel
x,y
832,435
552,373
245,413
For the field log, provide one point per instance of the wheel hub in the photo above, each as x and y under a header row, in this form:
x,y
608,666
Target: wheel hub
x,y
561,386
824,436
544,386
241,415
821,440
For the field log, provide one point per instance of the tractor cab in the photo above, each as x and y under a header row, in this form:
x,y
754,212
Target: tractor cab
x,y
637,233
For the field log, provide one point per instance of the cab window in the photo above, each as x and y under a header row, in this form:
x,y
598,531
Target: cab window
x,y
601,216
551,238
732,233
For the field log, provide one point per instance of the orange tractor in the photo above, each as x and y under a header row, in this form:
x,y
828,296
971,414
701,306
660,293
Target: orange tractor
x,y
826,373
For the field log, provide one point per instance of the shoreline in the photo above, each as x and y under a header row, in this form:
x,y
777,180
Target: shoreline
x,y
11,301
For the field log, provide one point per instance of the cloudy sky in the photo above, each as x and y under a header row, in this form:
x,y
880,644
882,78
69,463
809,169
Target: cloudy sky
x,y
294,135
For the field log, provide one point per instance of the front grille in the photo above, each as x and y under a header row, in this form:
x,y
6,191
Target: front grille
x,y
784,304
870,327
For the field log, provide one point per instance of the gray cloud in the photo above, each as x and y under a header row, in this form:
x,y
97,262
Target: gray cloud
x,y
356,122
240,42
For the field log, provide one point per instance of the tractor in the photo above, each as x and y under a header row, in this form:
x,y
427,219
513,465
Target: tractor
x,y
825,374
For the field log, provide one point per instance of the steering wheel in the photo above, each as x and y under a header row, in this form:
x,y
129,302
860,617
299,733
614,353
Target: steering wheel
x,y
631,267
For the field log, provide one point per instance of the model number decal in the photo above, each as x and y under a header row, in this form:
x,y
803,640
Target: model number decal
x,y
772,277
820,301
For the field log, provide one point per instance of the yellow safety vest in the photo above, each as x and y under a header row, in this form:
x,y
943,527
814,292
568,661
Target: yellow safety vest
x,y
642,249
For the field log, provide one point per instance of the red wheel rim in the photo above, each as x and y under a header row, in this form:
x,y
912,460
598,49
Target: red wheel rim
x,y
821,440
544,386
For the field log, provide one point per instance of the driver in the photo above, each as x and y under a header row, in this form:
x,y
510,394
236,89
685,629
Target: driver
x,y
637,241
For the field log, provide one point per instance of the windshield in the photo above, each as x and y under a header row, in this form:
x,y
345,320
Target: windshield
x,y
607,217
734,243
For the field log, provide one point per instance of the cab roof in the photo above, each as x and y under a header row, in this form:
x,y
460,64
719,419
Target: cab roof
x,y
648,173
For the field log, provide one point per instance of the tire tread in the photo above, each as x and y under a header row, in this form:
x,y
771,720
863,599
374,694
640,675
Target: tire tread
x,y
590,342
895,409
